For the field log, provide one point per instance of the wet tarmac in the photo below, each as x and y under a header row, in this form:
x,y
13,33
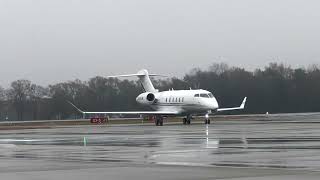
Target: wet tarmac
x,y
271,147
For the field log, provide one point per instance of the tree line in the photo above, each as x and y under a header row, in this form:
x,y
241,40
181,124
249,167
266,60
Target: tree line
x,y
276,88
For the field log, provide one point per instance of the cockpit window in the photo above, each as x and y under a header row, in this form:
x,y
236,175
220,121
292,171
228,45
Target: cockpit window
x,y
210,95
204,95
196,95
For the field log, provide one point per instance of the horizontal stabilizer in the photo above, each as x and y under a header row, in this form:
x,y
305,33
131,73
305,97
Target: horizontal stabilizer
x,y
133,75
126,75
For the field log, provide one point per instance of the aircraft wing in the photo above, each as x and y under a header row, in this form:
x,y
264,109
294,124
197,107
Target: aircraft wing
x,y
234,108
134,112
128,112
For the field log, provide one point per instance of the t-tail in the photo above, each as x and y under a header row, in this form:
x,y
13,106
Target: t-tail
x,y
144,78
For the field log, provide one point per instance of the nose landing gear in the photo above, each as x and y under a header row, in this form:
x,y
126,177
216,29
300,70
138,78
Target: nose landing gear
x,y
207,119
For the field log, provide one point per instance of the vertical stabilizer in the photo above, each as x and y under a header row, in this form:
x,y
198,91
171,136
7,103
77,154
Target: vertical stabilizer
x,y
146,81
144,78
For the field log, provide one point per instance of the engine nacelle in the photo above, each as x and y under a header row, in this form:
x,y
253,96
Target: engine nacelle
x,y
151,97
146,98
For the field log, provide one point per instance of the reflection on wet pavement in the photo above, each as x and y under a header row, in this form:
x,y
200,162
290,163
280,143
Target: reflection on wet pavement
x,y
278,142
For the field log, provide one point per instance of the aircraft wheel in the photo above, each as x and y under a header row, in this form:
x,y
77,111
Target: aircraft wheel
x,y
161,122
188,119
184,121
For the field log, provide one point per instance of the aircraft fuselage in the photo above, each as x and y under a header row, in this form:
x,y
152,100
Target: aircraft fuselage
x,y
182,101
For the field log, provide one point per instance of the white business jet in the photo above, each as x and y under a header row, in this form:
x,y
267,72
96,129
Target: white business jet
x,y
172,103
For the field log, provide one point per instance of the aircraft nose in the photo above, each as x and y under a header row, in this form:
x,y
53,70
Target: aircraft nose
x,y
214,104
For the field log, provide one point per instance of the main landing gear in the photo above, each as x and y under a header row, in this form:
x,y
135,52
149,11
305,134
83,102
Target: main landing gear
x,y
159,121
187,120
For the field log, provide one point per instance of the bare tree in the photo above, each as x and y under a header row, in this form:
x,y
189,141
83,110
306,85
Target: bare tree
x,y
36,94
2,94
219,68
2,99
18,95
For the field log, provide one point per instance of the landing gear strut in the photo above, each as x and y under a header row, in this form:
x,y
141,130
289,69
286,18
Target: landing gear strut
x,y
187,120
207,119
159,121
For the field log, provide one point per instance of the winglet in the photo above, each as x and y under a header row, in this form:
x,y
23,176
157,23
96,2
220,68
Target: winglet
x,y
243,104
76,107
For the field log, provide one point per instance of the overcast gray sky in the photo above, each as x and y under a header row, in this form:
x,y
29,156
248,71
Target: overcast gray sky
x,y
49,41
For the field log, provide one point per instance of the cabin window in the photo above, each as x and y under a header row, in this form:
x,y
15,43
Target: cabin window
x,y
204,95
166,99
179,99
196,95
183,99
176,99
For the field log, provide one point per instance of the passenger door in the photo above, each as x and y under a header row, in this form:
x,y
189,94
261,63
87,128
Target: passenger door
x,y
196,98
